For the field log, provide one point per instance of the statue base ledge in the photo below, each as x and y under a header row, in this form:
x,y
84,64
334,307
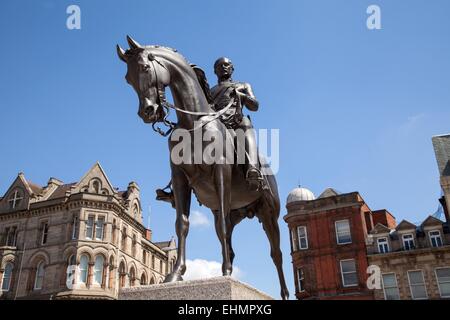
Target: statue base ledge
x,y
218,288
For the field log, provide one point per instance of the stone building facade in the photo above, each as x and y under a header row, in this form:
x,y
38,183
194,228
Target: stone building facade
x,y
77,240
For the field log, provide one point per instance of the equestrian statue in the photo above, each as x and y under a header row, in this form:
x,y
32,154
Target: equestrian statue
x,y
232,191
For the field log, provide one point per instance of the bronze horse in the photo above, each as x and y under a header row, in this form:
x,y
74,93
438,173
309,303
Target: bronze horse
x,y
219,186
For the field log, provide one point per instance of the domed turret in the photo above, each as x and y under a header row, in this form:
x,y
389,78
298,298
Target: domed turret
x,y
300,194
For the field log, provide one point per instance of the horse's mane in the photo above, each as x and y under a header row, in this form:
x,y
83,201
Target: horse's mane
x,y
201,76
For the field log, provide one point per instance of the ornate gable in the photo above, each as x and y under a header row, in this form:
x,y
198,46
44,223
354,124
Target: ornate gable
x,y
19,195
95,181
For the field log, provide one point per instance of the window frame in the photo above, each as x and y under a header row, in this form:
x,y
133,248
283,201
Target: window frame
x,y
100,271
98,230
45,226
75,227
37,276
438,283
412,239
301,280
430,237
386,243
342,274
305,237
423,283
91,227
81,279
294,241
3,289
396,284
337,232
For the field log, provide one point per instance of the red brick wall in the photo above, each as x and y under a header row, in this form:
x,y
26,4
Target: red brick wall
x,y
321,260
385,218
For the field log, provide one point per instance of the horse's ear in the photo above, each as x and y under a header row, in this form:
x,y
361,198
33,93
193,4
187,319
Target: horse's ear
x,y
121,54
133,43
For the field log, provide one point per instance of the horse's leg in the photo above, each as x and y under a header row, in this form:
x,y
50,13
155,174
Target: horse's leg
x,y
182,193
269,221
222,181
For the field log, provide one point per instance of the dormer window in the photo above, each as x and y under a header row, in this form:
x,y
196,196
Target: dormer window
x,y
435,238
408,241
383,245
15,199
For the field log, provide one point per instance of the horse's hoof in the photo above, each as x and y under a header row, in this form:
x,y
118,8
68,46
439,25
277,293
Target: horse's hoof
x,y
173,277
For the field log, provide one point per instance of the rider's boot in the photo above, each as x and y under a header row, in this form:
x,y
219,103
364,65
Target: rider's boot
x,y
254,178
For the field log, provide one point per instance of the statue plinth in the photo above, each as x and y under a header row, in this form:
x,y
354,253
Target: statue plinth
x,y
219,288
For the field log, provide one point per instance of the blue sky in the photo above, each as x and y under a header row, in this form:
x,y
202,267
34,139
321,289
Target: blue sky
x,y
356,108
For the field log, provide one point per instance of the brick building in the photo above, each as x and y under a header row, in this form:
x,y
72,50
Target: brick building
x,y
89,225
328,243
335,237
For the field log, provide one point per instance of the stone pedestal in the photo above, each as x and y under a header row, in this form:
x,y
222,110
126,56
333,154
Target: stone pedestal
x,y
219,288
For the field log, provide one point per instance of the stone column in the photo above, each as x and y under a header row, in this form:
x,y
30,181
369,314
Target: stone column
x,y
105,270
1,277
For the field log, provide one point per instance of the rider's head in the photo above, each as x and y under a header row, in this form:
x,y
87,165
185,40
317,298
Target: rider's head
x,y
223,68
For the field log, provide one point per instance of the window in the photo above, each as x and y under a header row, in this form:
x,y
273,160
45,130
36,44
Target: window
x,y
11,236
132,277
343,235
144,257
302,238
114,228
15,199
390,287
383,245
435,238
417,285
99,228
44,232
84,268
39,279
71,265
161,266
124,239
301,280
98,270
348,272
135,212
294,241
7,276
153,262
133,247
443,279
408,242
74,228
90,227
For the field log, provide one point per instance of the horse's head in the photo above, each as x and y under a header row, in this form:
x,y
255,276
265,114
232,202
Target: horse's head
x,y
148,76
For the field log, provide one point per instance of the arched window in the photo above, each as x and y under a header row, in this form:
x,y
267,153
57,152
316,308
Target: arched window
x,y
143,280
39,279
96,186
71,268
7,276
135,211
152,280
132,277
122,275
98,269
84,260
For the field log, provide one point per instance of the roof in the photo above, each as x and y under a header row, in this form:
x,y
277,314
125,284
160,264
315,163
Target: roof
x,y
329,192
163,244
34,187
61,191
441,145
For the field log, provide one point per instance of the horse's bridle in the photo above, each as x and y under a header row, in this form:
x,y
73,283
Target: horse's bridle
x,y
166,105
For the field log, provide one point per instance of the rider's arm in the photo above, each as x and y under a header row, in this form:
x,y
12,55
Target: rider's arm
x,y
248,98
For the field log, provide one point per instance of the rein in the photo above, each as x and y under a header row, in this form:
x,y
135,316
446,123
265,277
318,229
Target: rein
x,y
166,105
